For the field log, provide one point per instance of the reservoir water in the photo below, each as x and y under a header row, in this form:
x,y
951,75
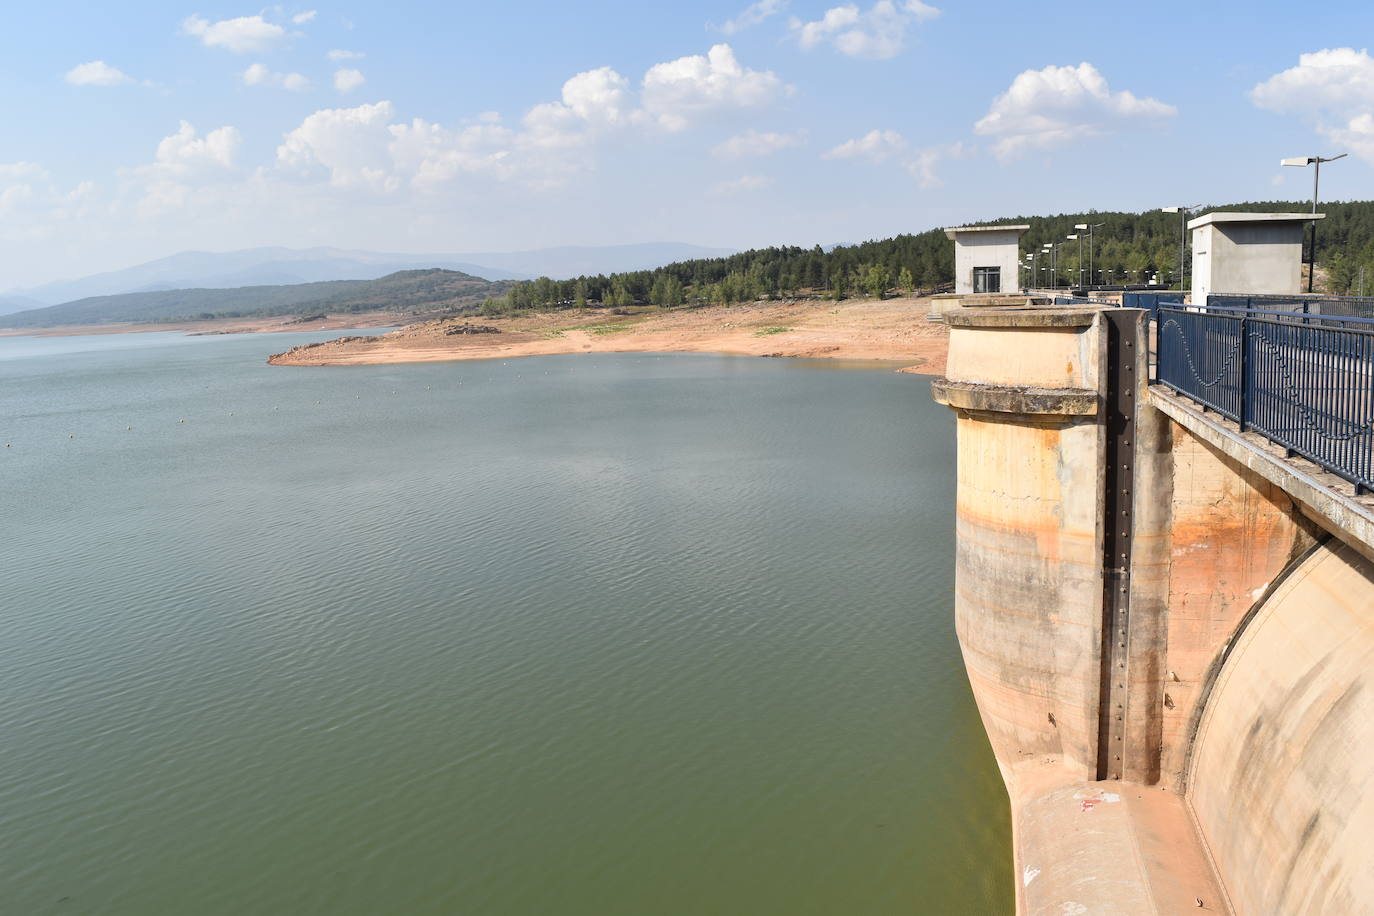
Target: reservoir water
x,y
595,634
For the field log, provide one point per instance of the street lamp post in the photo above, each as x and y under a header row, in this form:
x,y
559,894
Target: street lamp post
x,y
1182,231
1080,256
1090,227
1303,161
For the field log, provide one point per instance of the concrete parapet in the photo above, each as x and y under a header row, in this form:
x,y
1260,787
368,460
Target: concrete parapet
x,y
944,303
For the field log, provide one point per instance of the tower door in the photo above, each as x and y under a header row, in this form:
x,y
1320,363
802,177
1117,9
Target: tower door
x,y
987,279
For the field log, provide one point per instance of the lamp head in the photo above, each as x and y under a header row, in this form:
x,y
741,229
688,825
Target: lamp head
x,y
1299,160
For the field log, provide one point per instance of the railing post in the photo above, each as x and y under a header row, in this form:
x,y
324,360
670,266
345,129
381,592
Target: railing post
x,y
1244,412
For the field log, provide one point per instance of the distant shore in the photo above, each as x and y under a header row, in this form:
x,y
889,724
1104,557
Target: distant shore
x,y
284,323
891,330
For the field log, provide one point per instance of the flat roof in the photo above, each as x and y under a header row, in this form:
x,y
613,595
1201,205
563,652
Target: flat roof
x,y
951,232
1209,218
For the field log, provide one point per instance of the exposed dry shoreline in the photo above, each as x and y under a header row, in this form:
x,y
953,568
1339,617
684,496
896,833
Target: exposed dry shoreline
x,y
895,330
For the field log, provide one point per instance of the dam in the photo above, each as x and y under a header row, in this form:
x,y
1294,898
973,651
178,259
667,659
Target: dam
x,y
1164,596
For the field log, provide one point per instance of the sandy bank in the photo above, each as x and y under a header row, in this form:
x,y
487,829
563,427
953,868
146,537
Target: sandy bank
x,y
893,329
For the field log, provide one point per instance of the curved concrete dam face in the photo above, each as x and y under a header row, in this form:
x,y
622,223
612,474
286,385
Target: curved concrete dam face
x,y
1281,779
1169,640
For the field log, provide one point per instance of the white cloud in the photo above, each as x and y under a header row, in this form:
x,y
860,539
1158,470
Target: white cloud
x,y
361,149
12,196
413,175
875,146
1357,135
349,144
884,145
431,155
35,210
1333,79
347,80
1334,90
339,54
16,183
96,73
753,143
1049,107
597,96
751,15
15,170
677,91
877,33
259,75
742,184
303,18
244,35
184,165
185,151
364,148
82,191
922,166
592,99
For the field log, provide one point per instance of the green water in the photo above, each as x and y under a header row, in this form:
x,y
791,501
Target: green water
x,y
628,634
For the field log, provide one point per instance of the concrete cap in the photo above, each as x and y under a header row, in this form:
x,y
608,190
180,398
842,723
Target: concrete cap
x,y
950,233
1210,218
1021,318
1015,399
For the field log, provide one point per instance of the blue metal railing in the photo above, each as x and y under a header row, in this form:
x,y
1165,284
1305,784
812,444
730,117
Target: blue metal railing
x,y
1303,317
1081,300
1151,301
1307,387
1326,306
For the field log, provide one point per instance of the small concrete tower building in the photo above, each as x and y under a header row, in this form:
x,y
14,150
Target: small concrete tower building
x,y
987,259
1248,253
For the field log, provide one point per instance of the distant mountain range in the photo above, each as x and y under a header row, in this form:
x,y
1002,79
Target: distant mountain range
x,y
289,266
403,291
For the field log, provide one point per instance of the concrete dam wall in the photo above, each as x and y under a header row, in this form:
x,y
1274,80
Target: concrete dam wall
x,y
1168,630
1281,775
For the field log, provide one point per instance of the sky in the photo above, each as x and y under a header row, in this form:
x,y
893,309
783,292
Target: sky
x,y
136,130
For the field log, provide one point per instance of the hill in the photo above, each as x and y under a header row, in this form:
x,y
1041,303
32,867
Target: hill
x,y
283,266
1126,248
17,304
402,291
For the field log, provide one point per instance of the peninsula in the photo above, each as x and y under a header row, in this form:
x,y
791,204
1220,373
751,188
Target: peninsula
x,y
895,330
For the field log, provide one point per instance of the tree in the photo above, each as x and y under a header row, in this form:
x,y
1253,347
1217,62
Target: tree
x,y
673,293
906,281
875,280
620,296
838,286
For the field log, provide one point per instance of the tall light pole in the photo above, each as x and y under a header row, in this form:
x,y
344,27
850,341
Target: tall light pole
x,y
1303,161
1090,227
1054,274
1080,255
1182,231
